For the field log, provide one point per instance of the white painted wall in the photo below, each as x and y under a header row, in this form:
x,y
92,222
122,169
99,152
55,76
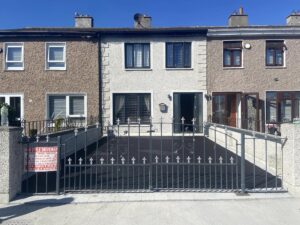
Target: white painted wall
x,y
157,80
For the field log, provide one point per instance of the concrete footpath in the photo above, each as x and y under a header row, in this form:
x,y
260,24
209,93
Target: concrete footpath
x,y
153,208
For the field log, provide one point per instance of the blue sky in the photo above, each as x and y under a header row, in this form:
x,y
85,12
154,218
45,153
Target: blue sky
x,y
119,13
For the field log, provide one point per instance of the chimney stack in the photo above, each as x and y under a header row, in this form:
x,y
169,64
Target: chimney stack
x,y
142,21
238,19
293,19
83,21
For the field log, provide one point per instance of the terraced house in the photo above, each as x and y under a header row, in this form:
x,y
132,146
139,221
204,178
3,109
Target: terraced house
x,y
239,75
50,73
253,73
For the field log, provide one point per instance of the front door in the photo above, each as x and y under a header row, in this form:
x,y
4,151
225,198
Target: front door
x,y
15,112
188,106
250,111
225,108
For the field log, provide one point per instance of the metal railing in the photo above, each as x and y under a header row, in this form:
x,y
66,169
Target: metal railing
x,y
43,127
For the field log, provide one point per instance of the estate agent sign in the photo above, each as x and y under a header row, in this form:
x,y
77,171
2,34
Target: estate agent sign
x,y
41,159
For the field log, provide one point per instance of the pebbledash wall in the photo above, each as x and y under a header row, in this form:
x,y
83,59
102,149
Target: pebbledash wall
x,y
159,81
34,83
253,75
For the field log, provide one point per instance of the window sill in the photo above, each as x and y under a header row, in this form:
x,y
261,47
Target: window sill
x,y
14,69
56,69
233,68
275,67
138,69
179,69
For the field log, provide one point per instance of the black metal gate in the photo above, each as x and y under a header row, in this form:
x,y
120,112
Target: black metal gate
x,y
144,158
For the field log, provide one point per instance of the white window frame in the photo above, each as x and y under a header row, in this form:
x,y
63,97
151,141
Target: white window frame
x,y
55,45
68,104
14,45
7,97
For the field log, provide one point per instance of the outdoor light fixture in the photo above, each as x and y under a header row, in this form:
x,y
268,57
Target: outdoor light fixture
x,y
208,97
1,50
247,46
163,107
169,97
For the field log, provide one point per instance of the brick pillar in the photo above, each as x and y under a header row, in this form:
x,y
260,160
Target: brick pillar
x,y
291,157
11,163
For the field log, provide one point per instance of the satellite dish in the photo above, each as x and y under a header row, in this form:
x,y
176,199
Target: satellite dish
x,y
137,17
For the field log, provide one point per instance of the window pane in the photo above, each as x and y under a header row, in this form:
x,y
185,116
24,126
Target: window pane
x,y
13,65
56,53
129,55
279,57
146,55
169,55
270,57
2,100
187,54
286,111
237,57
138,54
144,107
297,105
57,107
227,58
178,55
76,105
14,54
56,64
119,108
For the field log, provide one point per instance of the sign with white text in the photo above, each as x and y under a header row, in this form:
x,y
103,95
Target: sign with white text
x,y
41,159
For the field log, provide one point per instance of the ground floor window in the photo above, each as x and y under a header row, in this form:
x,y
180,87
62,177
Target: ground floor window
x,y
65,106
188,106
282,107
134,106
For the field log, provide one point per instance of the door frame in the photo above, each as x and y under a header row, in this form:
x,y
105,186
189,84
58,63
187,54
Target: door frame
x,y
243,108
8,95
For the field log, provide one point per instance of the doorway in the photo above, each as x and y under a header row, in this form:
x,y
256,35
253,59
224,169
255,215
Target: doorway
x,y
188,106
16,108
225,109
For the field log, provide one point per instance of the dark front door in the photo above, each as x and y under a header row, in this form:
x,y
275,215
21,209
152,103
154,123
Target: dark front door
x,y
15,114
187,106
250,111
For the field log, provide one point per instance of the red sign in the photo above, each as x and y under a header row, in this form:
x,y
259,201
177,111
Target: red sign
x,y
41,159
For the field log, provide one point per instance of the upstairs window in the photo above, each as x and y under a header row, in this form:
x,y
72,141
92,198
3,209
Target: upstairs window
x,y
274,53
137,55
56,56
232,54
14,59
178,55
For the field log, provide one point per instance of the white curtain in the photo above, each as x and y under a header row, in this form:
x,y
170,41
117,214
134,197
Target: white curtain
x,y
119,104
138,54
146,55
147,102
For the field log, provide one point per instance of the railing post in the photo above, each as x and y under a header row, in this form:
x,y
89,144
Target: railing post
x,y
243,184
58,165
